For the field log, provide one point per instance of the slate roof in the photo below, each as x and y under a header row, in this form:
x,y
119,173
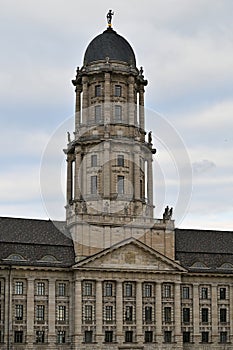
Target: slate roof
x,y
211,248
33,240
112,45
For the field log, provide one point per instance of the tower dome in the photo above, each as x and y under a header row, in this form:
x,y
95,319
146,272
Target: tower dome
x,y
112,45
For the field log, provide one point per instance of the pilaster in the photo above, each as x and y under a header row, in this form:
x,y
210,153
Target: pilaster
x,y
52,311
30,311
158,313
196,310
119,312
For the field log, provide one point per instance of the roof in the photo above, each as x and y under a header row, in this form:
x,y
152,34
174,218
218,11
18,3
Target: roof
x,y
211,249
38,242
112,45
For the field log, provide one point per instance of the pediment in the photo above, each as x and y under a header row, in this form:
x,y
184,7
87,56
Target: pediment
x,y
130,254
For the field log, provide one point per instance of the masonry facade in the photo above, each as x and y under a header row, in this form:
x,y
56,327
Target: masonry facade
x,y
112,276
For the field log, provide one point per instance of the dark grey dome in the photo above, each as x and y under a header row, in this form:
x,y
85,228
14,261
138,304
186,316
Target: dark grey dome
x,y
109,44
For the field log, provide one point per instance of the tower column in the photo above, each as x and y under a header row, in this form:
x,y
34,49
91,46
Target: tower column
x,y
107,93
69,178
137,172
141,108
78,107
107,176
77,180
150,184
85,100
131,99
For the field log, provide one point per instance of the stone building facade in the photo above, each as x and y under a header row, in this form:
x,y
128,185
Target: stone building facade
x,y
112,276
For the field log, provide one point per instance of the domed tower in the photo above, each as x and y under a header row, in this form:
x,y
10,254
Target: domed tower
x,y
109,162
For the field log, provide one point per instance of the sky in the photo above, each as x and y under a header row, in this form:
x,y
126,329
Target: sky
x,y
186,50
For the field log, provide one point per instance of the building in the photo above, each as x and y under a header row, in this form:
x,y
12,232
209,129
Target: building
x,y
111,276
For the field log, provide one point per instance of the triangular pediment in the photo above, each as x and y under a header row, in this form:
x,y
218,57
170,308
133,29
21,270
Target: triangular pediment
x,y
130,254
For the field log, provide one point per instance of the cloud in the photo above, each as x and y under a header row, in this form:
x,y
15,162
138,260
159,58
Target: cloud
x,y
202,166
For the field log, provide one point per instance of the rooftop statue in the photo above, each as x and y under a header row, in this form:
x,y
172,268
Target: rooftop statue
x,y
109,17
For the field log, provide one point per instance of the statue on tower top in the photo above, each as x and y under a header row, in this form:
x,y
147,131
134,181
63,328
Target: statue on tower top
x,y
109,17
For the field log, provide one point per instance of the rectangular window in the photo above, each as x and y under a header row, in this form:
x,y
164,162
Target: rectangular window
x,y
204,293
185,293
186,315
94,160
128,290
222,293
167,336
61,289
18,337
18,288
120,184
61,337
223,337
120,160
40,312
19,312
108,289
147,291
129,313
204,315
223,315
148,337
40,337
98,114
118,113
97,90
88,336
108,336
87,289
108,313
186,337
94,184
148,313
129,336
167,291
61,313
88,312
40,290
167,314
117,91
204,337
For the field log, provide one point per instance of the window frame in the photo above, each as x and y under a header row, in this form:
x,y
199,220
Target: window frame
x,y
94,184
120,184
61,337
117,90
98,90
40,288
19,312
40,312
120,160
98,114
18,337
61,313
94,160
19,287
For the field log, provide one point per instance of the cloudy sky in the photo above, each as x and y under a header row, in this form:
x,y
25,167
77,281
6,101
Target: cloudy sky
x,y
186,49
